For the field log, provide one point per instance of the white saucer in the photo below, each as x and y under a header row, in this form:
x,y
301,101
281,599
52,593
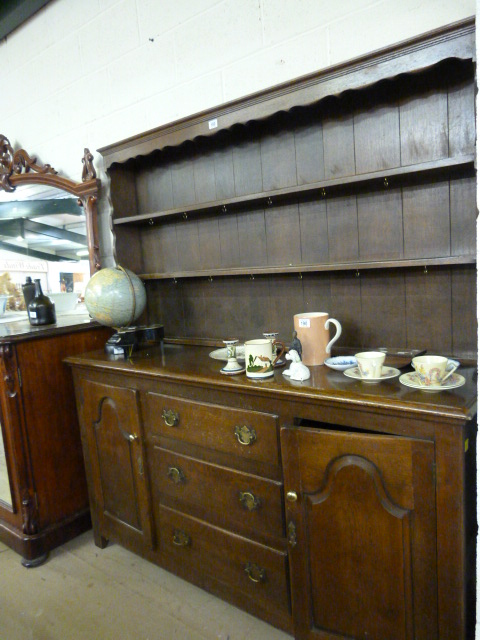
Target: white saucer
x,y
387,372
221,354
341,363
452,382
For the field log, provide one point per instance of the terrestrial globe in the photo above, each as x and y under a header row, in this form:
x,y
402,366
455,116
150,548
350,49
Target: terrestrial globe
x,y
115,297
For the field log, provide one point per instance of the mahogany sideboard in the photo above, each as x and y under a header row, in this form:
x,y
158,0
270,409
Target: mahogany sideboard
x,y
330,508
43,498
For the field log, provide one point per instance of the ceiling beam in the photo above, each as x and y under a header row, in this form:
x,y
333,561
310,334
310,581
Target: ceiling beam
x,y
53,232
37,208
33,253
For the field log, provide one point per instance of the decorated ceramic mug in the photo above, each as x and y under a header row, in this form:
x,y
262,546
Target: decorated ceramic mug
x,y
259,359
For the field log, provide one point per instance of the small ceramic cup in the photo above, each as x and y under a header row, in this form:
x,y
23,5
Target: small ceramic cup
x,y
433,370
370,363
272,336
259,359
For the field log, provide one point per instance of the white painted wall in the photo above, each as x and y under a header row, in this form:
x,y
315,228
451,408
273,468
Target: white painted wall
x,y
87,73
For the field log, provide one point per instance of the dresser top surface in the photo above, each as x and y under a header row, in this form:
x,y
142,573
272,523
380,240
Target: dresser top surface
x,y
192,365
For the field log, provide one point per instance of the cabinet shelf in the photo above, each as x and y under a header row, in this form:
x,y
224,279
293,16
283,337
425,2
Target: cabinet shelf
x,y
306,268
385,179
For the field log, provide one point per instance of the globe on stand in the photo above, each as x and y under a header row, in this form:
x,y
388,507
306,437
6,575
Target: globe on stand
x,y
116,297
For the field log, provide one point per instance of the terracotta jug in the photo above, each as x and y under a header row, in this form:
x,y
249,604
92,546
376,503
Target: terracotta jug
x,y
314,335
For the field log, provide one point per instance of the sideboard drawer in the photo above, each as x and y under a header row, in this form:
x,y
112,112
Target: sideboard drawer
x,y
248,434
254,575
242,502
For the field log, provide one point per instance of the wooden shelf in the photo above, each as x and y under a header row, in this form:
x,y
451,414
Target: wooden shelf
x,y
388,178
307,268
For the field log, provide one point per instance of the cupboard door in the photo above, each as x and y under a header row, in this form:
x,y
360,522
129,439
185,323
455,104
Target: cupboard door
x,y
115,462
361,523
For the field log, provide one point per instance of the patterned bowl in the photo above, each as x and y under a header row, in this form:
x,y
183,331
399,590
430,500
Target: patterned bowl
x,y
341,363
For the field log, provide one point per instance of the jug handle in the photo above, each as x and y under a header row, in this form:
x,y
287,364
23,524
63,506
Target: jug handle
x,y
337,334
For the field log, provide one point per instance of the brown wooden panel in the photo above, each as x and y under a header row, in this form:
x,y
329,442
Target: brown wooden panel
x,y
286,299
123,191
183,184
128,248
213,493
278,159
338,146
109,417
309,153
424,123
317,293
426,219
252,238
209,242
368,526
383,309
247,167
159,246
229,246
217,561
188,248
283,235
313,232
347,306
154,189
429,319
194,309
224,309
461,116
165,305
377,138
224,178
464,306
204,176
463,209
342,229
212,426
254,305
380,225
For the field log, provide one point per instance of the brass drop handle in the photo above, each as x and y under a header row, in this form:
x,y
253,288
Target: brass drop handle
x,y
292,534
249,501
180,538
245,435
292,496
176,475
170,417
255,572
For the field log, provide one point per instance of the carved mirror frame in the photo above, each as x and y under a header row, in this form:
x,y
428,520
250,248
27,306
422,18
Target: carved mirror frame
x,y
18,168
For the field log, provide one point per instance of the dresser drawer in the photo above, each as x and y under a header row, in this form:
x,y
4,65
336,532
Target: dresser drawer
x,y
244,503
247,434
253,576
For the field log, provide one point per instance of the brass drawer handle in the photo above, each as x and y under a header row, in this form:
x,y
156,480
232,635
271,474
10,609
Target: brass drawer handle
x,y
292,534
292,496
245,435
180,538
170,417
249,501
176,475
255,572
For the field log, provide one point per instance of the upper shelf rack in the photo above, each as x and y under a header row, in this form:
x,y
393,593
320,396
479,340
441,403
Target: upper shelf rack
x,y
387,178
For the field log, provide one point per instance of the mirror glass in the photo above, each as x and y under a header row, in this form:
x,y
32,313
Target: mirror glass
x,y
42,235
5,493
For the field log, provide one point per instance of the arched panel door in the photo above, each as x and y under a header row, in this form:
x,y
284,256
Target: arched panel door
x,y
115,459
361,525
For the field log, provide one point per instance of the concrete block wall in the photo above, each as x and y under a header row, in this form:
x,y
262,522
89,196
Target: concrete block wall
x,y
86,73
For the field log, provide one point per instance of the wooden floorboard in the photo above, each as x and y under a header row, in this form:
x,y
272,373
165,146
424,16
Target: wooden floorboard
x,y
83,592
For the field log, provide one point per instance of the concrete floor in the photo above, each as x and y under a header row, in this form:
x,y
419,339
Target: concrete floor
x,y
86,593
